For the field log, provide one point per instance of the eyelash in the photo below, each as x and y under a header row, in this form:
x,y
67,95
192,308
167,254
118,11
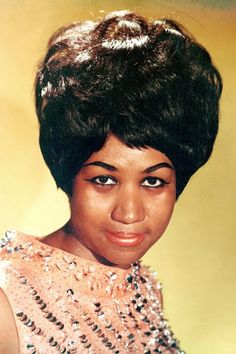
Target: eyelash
x,y
161,181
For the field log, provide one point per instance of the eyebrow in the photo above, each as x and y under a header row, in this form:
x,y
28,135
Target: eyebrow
x,y
101,164
158,166
113,168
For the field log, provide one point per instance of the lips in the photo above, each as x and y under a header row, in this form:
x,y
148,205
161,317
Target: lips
x,y
123,239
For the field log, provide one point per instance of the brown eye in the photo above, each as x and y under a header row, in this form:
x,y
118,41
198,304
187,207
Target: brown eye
x,y
103,180
153,182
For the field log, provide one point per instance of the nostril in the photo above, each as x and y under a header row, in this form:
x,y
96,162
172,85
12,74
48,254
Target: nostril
x,y
128,214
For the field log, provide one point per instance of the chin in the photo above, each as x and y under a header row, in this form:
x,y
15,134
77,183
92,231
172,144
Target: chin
x,y
122,261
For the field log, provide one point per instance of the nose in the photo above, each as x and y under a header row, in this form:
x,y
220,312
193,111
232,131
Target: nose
x,y
129,207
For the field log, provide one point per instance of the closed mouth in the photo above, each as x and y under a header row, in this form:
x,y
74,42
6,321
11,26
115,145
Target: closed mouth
x,y
125,239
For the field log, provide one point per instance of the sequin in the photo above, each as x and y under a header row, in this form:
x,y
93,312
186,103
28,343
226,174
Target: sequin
x,y
68,305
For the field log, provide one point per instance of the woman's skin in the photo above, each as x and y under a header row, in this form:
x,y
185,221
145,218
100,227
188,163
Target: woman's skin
x,y
121,204
9,342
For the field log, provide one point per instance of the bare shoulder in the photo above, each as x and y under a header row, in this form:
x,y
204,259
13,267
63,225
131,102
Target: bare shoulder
x,y
8,344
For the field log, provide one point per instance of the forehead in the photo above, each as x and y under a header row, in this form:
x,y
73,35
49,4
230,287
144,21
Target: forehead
x,y
116,152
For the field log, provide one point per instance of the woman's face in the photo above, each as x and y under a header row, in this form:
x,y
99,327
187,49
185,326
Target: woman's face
x,y
122,202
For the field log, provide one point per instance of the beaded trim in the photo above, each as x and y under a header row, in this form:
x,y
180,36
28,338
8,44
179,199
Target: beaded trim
x,y
142,324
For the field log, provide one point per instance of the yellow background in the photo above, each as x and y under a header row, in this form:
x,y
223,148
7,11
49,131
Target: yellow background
x,y
196,259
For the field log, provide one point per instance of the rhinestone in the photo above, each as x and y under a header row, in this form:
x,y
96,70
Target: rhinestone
x,y
38,331
42,306
147,333
72,265
59,324
29,323
75,324
39,301
23,318
23,280
112,275
3,243
108,344
130,336
30,346
70,292
94,327
10,234
129,278
20,314
71,343
49,315
53,319
87,345
138,308
109,326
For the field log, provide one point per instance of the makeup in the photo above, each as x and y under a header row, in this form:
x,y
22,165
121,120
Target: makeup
x,y
124,239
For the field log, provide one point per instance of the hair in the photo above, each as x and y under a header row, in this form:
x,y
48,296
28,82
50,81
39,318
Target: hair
x,y
149,84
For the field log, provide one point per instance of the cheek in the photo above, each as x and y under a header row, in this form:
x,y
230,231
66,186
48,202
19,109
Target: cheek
x,y
160,213
88,206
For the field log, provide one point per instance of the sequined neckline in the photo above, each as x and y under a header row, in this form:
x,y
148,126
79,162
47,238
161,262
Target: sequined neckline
x,y
100,279
88,306
84,262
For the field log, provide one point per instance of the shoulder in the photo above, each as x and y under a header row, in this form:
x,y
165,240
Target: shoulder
x,y
12,242
7,325
6,241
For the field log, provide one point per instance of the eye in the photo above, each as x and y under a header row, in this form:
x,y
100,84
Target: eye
x,y
153,182
103,180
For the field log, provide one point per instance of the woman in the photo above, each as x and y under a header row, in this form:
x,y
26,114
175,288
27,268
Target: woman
x,y
128,111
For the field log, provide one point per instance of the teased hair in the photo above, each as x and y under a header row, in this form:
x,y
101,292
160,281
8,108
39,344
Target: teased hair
x,y
150,84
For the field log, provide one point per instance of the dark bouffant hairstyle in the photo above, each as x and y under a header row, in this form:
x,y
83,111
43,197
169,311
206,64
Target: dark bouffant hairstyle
x,y
149,84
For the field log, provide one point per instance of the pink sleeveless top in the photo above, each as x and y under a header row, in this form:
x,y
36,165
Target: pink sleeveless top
x,y
66,304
